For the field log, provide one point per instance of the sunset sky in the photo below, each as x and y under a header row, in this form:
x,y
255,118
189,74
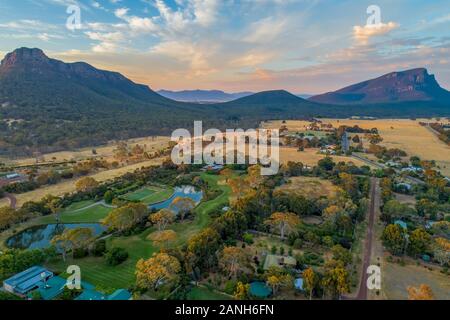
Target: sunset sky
x,y
304,46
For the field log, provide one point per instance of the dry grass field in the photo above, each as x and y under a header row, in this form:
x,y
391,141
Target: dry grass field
x,y
310,156
310,187
404,134
396,279
106,151
68,186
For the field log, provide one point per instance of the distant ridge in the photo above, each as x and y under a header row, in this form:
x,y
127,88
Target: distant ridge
x,y
404,86
203,96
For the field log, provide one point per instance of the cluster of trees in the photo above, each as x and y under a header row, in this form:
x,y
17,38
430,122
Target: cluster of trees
x,y
13,261
416,241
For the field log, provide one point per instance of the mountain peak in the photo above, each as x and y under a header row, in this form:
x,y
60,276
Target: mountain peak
x,y
401,86
27,55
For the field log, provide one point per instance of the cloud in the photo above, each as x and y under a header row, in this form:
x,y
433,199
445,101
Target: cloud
x,y
265,30
363,34
109,41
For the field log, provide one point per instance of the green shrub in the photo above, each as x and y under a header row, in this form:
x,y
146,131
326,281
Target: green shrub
x,y
248,238
99,248
116,256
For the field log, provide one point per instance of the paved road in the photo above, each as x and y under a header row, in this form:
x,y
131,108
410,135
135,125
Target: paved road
x,y
374,193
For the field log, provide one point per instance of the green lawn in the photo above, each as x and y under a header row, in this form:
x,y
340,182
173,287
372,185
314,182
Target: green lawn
x,y
96,271
158,196
140,194
202,293
76,214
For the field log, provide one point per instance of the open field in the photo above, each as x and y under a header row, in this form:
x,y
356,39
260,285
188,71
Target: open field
x,y
68,186
310,187
404,134
310,156
106,152
90,214
397,278
407,135
96,271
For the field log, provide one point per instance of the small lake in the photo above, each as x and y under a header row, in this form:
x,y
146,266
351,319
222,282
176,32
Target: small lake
x,y
183,192
40,236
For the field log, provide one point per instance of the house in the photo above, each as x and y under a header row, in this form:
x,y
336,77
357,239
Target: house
x,y
273,260
27,281
12,176
90,294
121,295
393,164
213,167
51,288
412,169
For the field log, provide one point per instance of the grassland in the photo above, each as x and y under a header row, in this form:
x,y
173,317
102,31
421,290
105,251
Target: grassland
x,y
311,156
96,271
404,134
105,152
407,135
68,186
396,279
92,213
310,187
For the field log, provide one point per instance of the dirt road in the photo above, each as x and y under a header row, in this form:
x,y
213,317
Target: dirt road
x,y
374,193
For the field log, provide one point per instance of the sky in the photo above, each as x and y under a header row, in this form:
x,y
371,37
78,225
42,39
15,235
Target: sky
x,y
303,46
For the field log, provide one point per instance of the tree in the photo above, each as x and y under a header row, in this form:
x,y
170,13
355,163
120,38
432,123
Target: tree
x,y
424,292
108,197
419,241
163,237
274,282
182,206
394,238
342,254
160,269
86,184
326,163
241,292
201,248
309,281
441,251
233,260
7,217
162,218
73,239
336,279
126,217
284,222
116,256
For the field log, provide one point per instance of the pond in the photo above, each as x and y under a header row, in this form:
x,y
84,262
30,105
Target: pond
x,y
183,192
40,236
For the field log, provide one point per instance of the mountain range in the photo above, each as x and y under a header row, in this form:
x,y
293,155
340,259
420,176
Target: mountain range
x,y
47,105
203,96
